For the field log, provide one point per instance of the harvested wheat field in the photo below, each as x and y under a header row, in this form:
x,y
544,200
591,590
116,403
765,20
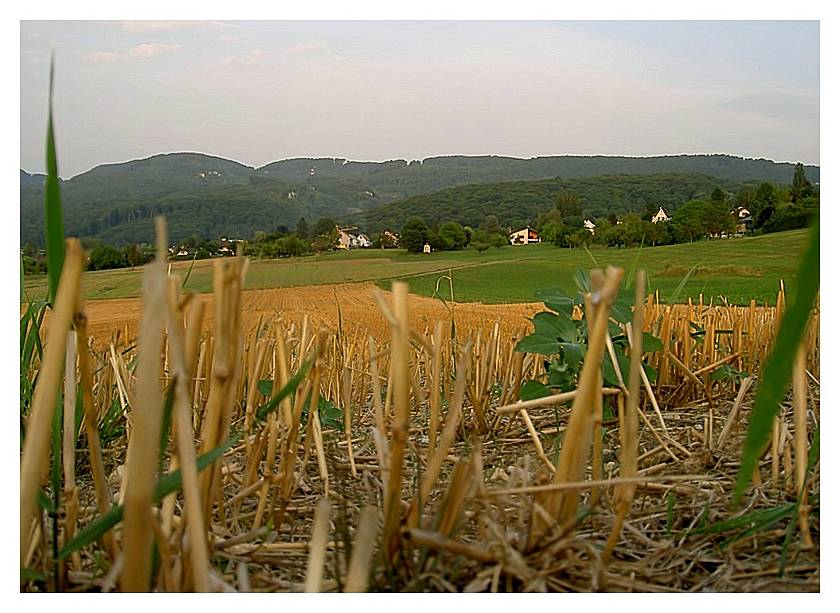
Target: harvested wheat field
x,y
269,441
354,303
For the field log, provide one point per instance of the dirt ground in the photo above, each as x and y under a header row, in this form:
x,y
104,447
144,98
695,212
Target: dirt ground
x,y
359,311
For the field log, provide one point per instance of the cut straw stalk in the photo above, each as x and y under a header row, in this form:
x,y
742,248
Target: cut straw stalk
x,y
630,423
182,409
800,421
318,546
36,444
550,400
562,506
91,419
363,549
147,410
400,350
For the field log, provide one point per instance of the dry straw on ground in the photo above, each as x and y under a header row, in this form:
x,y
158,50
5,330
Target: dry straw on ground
x,y
405,461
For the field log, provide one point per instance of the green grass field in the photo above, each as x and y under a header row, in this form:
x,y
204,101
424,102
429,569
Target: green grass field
x,y
739,269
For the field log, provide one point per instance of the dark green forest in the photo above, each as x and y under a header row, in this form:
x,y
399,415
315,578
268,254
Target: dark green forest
x,y
210,197
520,203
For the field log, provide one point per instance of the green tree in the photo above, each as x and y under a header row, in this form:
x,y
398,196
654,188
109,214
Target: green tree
x,y
103,257
480,240
492,226
414,235
718,219
568,203
302,228
453,233
293,246
324,227
801,186
690,220
766,199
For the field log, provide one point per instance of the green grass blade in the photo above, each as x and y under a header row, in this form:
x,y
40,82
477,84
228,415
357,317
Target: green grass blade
x,y
189,272
53,217
589,253
779,366
287,389
167,484
630,277
678,290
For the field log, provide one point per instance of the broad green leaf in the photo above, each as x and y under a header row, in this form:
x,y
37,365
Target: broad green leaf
x,y
556,299
564,328
535,343
651,343
778,369
582,280
573,355
532,390
264,387
330,415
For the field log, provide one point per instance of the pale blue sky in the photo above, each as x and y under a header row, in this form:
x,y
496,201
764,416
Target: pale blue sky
x,y
262,91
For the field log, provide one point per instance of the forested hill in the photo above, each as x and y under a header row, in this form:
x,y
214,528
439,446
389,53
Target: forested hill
x,y
401,178
211,197
519,203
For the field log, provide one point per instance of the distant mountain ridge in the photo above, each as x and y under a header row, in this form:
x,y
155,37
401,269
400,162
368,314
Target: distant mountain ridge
x,y
211,196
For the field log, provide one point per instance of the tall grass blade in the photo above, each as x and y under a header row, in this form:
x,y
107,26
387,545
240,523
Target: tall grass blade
x,y
189,272
681,286
779,366
168,483
53,217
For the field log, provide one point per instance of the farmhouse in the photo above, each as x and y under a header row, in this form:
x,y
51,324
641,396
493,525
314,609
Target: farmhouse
x,y
349,239
345,238
525,236
744,218
661,215
589,226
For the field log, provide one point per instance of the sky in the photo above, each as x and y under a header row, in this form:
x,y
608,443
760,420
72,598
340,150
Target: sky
x,y
257,92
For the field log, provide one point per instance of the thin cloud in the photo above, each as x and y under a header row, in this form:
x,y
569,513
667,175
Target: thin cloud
x,y
146,26
776,104
150,49
251,58
102,57
307,47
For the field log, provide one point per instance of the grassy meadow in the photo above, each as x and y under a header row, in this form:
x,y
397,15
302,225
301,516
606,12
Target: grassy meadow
x,y
740,269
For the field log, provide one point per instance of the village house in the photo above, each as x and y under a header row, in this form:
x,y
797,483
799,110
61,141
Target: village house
x,y
525,236
744,218
345,238
227,246
589,226
349,239
661,215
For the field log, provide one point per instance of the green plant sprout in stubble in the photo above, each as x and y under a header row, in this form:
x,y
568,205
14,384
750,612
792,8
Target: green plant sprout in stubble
x,y
563,340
